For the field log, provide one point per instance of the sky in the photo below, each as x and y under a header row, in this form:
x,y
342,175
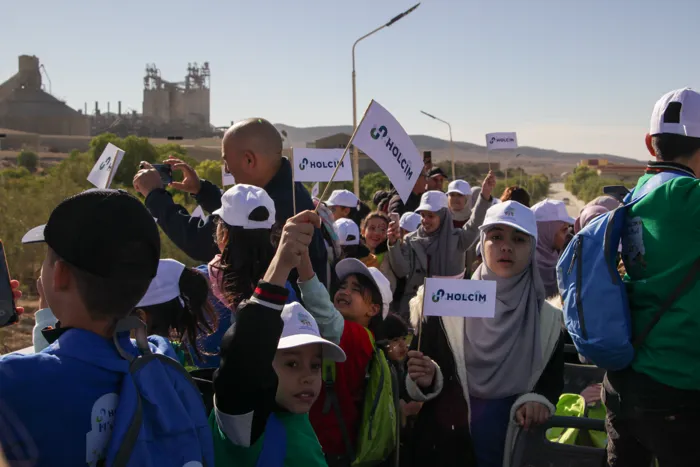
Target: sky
x,y
566,75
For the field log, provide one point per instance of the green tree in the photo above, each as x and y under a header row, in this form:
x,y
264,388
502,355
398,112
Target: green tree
x,y
210,170
371,183
135,149
29,160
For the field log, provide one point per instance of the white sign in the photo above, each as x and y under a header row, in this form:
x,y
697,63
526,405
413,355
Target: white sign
x,y
226,177
317,165
106,166
501,141
461,298
383,139
314,190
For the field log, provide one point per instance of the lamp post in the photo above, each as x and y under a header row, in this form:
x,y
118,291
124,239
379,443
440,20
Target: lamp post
x,y
452,153
355,153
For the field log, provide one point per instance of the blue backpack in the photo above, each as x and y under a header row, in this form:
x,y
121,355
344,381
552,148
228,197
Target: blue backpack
x,y
596,310
160,418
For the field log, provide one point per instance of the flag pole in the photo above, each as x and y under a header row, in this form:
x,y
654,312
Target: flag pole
x,y
340,162
294,185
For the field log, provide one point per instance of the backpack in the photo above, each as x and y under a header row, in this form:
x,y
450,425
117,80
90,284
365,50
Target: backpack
x,y
160,418
596,309
377,436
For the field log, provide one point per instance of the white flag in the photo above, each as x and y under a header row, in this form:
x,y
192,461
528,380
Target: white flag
x,y
383,139
106,166
457,297
314,190
226,177
317,165
501,141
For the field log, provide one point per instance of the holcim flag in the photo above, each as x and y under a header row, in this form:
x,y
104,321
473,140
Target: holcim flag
x,y
383,139
501,141
317,165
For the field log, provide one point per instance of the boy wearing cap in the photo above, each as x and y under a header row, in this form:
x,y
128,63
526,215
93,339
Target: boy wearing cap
x,y
654,406
270,373
103,252
341,202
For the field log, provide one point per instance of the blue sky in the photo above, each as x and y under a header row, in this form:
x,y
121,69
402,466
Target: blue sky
x,y
564,74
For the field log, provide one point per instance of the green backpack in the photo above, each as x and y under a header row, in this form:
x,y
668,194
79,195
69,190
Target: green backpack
x,y
377,436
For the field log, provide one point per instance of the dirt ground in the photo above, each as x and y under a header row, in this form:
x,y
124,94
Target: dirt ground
x,y
19,335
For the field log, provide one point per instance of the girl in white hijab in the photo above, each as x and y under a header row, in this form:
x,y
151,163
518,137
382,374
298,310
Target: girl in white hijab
x,y
510,367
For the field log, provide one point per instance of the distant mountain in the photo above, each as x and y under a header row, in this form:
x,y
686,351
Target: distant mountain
x,y
540,160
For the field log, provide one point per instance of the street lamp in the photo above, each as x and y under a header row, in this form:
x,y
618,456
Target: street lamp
x,y
452,153
355,154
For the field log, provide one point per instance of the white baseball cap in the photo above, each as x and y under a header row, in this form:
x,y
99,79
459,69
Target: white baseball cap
x,y
239,201
348,232
300,328
513,214
459,186
432,201
410,221
686,121
343,198
549,210
354,266
166,285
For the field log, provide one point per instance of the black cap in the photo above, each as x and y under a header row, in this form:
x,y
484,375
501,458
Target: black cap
x,y
108,233
436,171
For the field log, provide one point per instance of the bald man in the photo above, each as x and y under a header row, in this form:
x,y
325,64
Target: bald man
x,y
252,152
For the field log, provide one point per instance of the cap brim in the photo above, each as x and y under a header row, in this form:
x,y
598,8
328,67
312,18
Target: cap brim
x,y
35,235
570,220
349,266
511,224
330,350
458,192
425,207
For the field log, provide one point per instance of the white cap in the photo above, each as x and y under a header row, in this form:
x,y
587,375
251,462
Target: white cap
x,y
300,328
549,210
349,266
689,122
432,201
239,201
410,221
343,198
514,214
166,285
348,232
459,186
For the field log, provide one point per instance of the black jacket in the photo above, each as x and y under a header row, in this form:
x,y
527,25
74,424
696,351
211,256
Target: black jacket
x,y
196,237
398,206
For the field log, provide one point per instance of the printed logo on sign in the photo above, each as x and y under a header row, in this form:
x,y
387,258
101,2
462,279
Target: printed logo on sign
x,y
510,212
107,163
319,164
382,133
501,140
477,296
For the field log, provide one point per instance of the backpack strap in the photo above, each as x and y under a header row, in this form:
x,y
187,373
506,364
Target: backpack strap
x,y
651,184
333,402
274,449
687,281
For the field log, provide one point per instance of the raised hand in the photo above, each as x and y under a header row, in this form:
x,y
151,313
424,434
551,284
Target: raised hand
x,y
296,237
190,182
488,185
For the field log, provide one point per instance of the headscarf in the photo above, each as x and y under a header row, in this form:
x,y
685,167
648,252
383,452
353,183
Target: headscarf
x,y
439,246
547,256
465,213
502,353
587,215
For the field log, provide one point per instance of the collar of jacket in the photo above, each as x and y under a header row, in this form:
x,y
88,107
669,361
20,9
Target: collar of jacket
x,y
662,166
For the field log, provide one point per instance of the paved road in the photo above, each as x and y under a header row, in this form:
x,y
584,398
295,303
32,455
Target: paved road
x,y
557,191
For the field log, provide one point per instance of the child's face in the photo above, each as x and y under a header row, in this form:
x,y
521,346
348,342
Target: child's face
x,y
507,251
375,233
456,202
299,377
350,301
398,348
560,237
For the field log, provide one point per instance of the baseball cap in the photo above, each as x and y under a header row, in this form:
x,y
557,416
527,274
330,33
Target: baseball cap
x,y
432,201
300,328
436,171
105,232
343,198
410,221
513,214
677,112
240,201
349,266
348,232
549,210
459,186
166,285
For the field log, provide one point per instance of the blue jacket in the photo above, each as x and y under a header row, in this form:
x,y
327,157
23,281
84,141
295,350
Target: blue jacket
x,y
58,407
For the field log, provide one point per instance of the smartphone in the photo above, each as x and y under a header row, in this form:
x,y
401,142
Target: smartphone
x,y
8,311
394,216
166,173
616,191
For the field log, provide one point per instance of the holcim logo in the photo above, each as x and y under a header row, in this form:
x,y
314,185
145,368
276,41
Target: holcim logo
x,y
460,297
509,212
382,133
501,140
319,164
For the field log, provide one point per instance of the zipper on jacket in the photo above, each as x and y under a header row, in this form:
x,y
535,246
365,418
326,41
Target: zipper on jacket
x,y
579,273
573,258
